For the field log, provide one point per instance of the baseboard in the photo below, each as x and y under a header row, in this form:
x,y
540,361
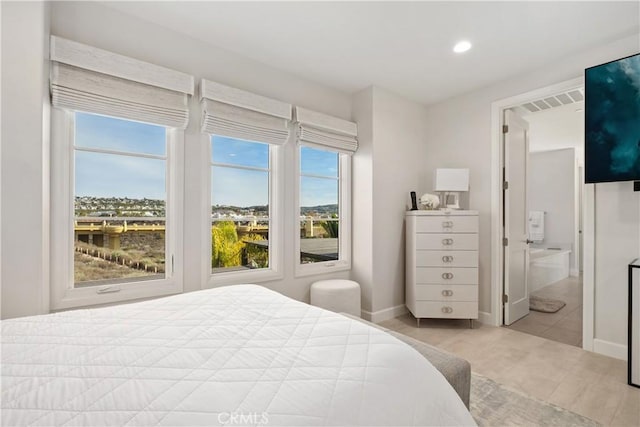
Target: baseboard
x,y
574,273
486,318
610,349
386,314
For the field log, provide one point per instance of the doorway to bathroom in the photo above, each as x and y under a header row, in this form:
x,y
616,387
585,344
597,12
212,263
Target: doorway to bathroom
x,y
542,216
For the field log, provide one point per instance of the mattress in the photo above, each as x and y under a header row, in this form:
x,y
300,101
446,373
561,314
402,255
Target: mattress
x,y
236,355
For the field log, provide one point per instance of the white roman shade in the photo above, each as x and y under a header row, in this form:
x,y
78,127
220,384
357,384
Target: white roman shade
x,y
93,80
236,113
323,131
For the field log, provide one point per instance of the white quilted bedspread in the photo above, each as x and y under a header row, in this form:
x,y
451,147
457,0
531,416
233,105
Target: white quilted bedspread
x,y
237,355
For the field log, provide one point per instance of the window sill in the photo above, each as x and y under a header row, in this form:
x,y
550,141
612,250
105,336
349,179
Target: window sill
x,y
315,269
242,277
89,296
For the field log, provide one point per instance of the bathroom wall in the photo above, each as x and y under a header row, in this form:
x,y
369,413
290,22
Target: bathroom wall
x,y
552,189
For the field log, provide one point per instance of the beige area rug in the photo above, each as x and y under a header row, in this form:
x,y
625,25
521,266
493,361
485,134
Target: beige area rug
x,y
545,305
493,404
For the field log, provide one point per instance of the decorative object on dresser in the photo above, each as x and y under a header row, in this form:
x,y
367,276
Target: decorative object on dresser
x,y
442,264
450,182
414,203
429,201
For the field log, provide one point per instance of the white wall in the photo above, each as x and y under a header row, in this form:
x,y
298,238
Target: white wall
x,y
399,139
552,189
362,191
459,135
617,243
25,158
389,165
557,128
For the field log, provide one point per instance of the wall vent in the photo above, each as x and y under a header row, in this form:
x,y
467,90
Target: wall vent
x,y
558,100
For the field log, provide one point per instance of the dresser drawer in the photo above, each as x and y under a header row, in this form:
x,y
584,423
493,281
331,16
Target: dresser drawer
x,y
447,242
447,224
446,276
446,258
447,293
446,309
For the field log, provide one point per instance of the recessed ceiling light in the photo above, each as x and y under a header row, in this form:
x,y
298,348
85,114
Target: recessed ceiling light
x,y
462,46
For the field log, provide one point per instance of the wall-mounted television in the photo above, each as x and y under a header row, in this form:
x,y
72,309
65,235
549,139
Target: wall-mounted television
x,y
612,121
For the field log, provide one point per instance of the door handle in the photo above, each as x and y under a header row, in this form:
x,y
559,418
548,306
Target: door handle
x,y
528,242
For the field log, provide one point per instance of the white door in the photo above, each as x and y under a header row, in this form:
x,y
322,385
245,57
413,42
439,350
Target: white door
x,y
516,218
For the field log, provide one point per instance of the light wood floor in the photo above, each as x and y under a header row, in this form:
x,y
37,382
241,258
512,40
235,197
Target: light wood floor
x,y
580,381
564,325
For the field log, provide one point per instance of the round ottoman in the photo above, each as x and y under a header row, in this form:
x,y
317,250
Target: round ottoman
x,y
339,295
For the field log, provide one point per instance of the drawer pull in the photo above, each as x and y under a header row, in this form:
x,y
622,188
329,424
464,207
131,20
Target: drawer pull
x,y
447,224
447,275
447,241
447,310
446,293
447,258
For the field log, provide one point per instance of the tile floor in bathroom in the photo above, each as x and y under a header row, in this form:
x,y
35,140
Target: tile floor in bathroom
x,y
565,325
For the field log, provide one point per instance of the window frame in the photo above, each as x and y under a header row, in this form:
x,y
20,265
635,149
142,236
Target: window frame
x,y
63,293
276,241
343,262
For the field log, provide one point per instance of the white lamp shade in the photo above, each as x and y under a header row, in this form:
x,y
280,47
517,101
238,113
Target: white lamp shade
x,y
451,180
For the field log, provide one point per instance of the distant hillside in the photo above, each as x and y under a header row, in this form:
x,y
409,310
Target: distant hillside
x,y
305,210
321,209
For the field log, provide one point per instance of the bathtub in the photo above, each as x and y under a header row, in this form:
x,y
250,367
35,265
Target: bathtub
x,y
547,266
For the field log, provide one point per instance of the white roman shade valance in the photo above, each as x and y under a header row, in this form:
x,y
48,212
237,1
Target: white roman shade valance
x,y
325,131
93,80
236,113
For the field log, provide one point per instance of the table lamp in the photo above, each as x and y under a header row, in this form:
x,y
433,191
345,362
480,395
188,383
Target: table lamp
x,y
449,183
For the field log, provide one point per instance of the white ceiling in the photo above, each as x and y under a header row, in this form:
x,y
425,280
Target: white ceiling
x,y
405,47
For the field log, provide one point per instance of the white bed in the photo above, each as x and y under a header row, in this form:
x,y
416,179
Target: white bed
x,y
235,355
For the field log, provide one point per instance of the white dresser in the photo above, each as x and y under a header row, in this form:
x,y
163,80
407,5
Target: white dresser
x,y
442,264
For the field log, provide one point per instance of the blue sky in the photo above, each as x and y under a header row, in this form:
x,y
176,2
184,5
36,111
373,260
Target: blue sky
x,y
107,175
250,187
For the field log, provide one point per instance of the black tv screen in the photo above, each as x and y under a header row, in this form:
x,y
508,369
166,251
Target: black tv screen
x,y
612,121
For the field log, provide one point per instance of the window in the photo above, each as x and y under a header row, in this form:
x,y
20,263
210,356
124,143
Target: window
x,y
323,197
117,133
242,225
239,204
113,183
120,198
245,132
